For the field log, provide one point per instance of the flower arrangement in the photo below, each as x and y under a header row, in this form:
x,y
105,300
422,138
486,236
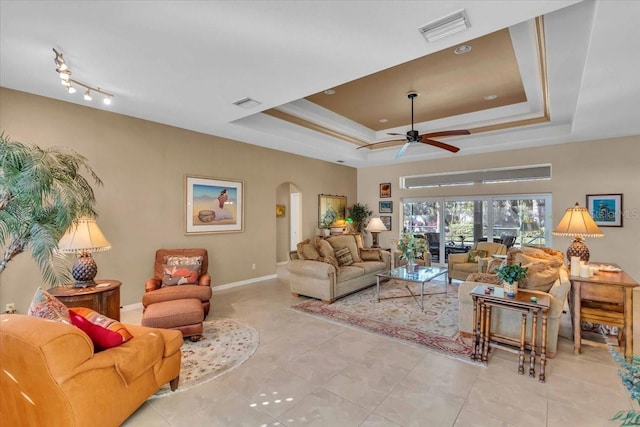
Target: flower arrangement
x,y
411,246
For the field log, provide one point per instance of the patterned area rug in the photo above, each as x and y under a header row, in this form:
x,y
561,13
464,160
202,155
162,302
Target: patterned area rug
x,y
401,318
225,345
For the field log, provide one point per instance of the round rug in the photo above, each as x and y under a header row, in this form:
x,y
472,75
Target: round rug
x,y
225,345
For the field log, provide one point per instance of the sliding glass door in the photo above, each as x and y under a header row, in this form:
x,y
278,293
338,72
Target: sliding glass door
x,y
453,225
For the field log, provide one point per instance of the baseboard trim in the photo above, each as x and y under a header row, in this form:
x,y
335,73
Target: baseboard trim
x,y
244,282
131,307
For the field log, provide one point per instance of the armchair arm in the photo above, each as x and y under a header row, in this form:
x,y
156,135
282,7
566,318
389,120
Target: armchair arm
x,y
152,284
204,280
458,258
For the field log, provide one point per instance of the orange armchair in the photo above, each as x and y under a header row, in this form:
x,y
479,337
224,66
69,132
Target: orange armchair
x,y
155,292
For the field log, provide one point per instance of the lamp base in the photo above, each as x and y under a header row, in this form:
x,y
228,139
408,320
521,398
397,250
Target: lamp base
x,y
375,244
84,270
579,249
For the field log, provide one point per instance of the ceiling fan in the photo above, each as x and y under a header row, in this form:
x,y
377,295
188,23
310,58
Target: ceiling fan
x,y
413,136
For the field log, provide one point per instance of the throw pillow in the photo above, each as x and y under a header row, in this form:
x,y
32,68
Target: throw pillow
x,y
96,318
370,254
307,250
540,276
491,279
324,248
182,260
474,254
343,255
330,260
180,275
47,306
101,337
345,240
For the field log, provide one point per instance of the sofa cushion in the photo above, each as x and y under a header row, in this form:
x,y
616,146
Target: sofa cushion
x,y
330,260
370,266
170,293
47,306
370,254
103,321
346,240
101,337
343,255
324,247
491,279
184,274
349,272
307,250
470,267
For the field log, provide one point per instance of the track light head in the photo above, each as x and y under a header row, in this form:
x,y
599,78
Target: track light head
x,y
87,95
107,100
71,89
65,79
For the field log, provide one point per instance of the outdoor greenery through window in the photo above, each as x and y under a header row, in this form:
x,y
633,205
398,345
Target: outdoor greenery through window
x,y
454,224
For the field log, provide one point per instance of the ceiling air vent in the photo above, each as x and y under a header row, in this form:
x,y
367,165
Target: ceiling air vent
x,y
487,176
247,103
445,27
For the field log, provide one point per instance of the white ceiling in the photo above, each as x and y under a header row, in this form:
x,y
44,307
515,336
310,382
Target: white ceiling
x,y
185,63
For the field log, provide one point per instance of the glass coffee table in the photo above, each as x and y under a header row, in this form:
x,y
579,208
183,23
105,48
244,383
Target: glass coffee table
x,y
420,275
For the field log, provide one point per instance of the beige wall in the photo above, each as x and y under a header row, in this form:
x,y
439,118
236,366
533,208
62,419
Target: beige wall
x,y
578,169
141,204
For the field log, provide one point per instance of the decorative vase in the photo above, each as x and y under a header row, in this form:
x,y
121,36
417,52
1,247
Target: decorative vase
x,y
511,289
326,231
411,263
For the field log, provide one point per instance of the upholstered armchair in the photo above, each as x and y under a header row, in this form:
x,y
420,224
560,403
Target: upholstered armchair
x,y
155,292
460,265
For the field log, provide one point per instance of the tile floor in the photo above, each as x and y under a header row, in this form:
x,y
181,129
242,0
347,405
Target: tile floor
x,y
309,372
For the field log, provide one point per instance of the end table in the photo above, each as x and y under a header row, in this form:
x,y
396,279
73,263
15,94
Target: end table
x,y
104,299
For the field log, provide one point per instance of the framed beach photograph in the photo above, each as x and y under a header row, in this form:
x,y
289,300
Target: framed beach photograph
x,y
331,208
213,205
385,207
385,190
386,220
605,209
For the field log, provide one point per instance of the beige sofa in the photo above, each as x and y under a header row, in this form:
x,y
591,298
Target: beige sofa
x,y
460,266
508,322
312,273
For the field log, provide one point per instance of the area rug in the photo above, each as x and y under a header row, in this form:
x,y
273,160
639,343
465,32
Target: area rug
x,y
401,318
225,345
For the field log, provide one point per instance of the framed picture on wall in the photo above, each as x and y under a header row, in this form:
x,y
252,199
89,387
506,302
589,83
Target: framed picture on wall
x,y
385,207
386,220
280,210
385,190
331,208
213,205
605,209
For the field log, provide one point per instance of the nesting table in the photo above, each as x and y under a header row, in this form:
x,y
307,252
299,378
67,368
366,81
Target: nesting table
x,y
485,298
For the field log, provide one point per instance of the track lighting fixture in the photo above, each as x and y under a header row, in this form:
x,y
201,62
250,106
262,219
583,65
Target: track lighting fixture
x,y
65,79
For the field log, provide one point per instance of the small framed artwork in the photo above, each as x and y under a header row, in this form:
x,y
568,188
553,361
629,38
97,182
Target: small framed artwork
x,y
605,209
385,190
385,207
280,210
386,220
213,205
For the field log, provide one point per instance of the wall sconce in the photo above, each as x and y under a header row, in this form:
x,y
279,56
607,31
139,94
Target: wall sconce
x,y
65,79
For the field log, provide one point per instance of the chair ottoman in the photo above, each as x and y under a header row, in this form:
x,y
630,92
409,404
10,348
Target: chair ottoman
x,y
185,315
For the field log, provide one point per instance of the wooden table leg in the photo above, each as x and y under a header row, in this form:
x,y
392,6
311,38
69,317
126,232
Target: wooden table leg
x,y
482,307
543,352
577,336
628,323
523,336
474,349
534,336
487,332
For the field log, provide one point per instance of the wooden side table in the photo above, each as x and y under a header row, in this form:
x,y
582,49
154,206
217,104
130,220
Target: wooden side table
x,y
105,300
484,301
605,298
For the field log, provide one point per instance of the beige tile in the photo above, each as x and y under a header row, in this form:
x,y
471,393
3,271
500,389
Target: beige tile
x,y
409,404
512,403
316,367
323,408
146,415
375,420
588,398
561,415
444,376
504,371
476,418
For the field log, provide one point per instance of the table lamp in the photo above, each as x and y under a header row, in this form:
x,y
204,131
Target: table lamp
x,y
375,226
577,223
84,237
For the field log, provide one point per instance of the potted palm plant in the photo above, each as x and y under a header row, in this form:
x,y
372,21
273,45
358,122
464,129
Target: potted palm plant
x,y
510,276
359,213
42,192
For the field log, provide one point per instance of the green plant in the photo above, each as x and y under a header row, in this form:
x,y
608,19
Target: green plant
x,y
329,218
630,374
41,193
512,273
359,213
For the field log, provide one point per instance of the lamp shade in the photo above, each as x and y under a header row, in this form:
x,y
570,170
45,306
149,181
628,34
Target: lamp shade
x,y
84,236
376,225
577,222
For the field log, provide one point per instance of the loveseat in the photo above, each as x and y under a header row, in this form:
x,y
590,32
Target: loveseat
x,y
50,374
322,268
552,279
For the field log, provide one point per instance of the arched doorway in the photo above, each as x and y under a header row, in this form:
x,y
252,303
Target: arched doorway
x,y
289,225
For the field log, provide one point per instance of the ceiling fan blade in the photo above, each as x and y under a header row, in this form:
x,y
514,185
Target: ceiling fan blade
x,y
446,133
440,145
378,143
403,149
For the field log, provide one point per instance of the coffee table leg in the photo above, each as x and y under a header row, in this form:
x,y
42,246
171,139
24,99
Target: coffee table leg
x,y
378,288
534,335
523,335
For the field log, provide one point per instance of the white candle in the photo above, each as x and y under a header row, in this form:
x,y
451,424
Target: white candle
x,y
575,265
584,271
